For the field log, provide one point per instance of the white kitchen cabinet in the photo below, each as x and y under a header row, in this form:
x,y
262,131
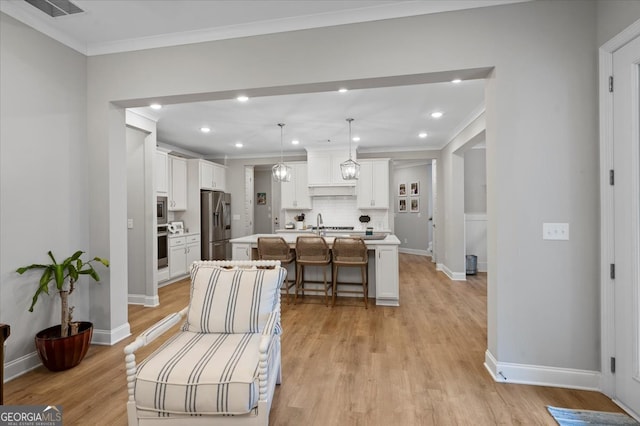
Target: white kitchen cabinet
x,y
295,193
212,176
373,186
387,275
241,252
162,173
177,184
183,251
324,168
193,250
177,256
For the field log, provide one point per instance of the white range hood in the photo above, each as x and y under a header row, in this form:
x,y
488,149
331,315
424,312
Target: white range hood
x,y
324,175
332,191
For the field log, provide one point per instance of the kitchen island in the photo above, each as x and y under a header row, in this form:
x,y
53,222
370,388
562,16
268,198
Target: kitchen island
x,y
382,269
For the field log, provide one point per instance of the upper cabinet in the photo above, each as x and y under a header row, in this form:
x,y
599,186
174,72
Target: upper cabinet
x,y
162,173
212,176
177,184
324,168
295,193
373,186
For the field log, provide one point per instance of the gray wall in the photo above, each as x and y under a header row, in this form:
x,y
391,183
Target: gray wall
x,y
44,176
136,244
475,181
262,213
412,229
614,16
525,42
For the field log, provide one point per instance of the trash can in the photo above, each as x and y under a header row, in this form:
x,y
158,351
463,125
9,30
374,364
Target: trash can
x,y
472,264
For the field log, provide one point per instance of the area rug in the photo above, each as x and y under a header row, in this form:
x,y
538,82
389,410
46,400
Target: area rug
x,y
568,417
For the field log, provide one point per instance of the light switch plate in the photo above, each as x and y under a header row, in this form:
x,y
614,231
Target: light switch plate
x,y
129,223
555,231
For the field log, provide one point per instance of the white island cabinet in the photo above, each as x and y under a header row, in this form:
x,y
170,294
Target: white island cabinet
x,y
383,264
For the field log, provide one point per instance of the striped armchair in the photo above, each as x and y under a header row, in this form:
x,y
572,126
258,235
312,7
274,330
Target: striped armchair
x,y
222,367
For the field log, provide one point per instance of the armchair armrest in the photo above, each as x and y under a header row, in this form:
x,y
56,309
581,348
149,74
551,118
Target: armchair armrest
x,y
146,337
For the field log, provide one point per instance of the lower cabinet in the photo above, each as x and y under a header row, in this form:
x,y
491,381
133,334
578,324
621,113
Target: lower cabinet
x,y
241,252
183,251
387,290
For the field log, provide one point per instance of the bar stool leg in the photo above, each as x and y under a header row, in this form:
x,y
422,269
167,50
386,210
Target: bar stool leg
x,y
365,285
334,274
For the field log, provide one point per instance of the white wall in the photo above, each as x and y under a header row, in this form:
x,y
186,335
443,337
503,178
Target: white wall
x,y
526,43
44,175
136,242
475,181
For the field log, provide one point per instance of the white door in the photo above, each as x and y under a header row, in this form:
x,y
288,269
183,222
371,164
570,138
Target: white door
x,y
626,141
434,211
248,200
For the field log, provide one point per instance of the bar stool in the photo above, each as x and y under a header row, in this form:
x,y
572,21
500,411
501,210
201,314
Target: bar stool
x,y
350,252
312,251
276,248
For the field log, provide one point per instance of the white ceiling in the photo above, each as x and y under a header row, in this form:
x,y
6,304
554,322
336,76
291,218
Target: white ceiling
x,y
386,119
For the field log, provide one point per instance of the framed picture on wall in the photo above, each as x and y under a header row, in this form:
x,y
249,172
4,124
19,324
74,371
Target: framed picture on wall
x,y
414,206
402,204
414,188
262,198
402,189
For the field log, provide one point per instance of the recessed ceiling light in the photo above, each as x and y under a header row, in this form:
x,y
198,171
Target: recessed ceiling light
x,y
243,98
155,106
456,80
436,114
422,135
356,139
239,145
343,90
295,142
205,129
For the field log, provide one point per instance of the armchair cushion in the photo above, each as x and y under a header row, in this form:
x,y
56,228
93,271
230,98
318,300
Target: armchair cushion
x,y
197,373
232,300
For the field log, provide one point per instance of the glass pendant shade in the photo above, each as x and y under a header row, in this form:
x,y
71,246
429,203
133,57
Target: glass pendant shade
x,y
281,172
350,169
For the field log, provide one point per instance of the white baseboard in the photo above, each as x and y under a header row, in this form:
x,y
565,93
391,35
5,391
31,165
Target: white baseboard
x,y
414,251
454,276
142,299
21,365
111,337
507,372
439,266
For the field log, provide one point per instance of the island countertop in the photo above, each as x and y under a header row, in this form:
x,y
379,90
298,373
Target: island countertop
x,y
290,238
383,267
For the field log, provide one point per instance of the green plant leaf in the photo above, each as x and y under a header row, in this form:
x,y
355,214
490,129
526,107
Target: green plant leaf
x,y
105,262
24,269
52,258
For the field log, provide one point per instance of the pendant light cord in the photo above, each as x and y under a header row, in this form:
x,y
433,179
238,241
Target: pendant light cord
x,y
349,120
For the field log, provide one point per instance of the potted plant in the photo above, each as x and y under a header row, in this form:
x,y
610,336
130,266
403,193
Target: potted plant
x,y
63,346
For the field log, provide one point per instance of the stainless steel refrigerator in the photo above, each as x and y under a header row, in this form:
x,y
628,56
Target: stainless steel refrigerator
x,y
215,221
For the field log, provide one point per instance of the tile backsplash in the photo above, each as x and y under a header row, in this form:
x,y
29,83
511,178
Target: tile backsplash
x,y
340,211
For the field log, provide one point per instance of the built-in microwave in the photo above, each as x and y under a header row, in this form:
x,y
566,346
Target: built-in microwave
x,y
161,210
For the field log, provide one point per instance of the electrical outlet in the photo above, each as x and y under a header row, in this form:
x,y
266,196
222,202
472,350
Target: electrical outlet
x,y
129,223
555,231
406,240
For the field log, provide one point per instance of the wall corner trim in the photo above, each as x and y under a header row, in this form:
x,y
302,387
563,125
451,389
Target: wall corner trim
x,y
454,276
538,375
111,337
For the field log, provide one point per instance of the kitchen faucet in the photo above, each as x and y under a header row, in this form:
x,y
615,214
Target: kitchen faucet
x,y
318,223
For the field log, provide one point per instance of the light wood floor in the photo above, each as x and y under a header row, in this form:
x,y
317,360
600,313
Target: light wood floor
x,y
418,364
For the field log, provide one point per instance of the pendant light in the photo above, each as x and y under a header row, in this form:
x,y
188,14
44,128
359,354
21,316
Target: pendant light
x,y
350,169
281,172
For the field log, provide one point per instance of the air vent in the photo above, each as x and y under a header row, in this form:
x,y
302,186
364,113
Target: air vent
x,y
55,8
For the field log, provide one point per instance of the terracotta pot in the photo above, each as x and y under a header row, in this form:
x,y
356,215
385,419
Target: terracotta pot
x,y
62,353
